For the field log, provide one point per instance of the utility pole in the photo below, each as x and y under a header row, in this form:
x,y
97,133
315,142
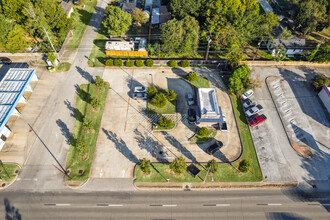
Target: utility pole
x,y
206,174
51,43
158,51
262,38
209,40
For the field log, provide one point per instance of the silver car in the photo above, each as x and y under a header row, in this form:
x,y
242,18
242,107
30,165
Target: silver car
x,y
139,95
190,98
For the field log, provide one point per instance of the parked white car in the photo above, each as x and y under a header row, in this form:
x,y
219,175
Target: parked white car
x,y
140,89
253,110
247,94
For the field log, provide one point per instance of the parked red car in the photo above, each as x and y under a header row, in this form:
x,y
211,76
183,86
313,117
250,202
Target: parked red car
x,y
257,120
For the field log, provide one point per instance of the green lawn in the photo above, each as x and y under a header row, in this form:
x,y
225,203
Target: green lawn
x,y
81,18
160,128
200,82
63,67
84,110
7,171
169,108
198,138
98,50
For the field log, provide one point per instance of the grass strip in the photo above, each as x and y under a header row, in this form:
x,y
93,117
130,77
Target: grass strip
x,y
81,17
84,110
199,138
169,108
7,172
200,82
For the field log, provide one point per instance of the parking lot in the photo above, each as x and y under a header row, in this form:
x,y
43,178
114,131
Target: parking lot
x,y
295,116
126,134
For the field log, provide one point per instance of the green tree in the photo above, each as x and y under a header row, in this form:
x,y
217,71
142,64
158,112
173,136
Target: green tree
x,y
312,15
129,63
165,122
139,17
192,76
16,40
185,63
13,9
109,62
204,132
6,25
149,62
139,63
88,124
171,95
322,55
320,80
239,81
180,36
145,165
118,62
173,63
95,103
51,56
178,165
243,166
159,100
151,91
212,165
181,8
99,82
116,21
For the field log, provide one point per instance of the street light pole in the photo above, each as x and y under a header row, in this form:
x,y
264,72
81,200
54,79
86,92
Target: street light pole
x,y
209,40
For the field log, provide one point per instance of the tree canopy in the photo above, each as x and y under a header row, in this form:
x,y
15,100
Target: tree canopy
x,y
116,21
181,8
180,36
139,17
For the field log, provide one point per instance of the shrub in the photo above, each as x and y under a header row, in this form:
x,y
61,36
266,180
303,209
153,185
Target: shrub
x,y
192,76
165,122
118,62
149,62
320,80
99,82
204,132
81,147
173,63
139,63
171,95
185,63
178,165
151,92
51,57
145,165
129,63
212,165
88,124
159,100
243,166
95,103
109,62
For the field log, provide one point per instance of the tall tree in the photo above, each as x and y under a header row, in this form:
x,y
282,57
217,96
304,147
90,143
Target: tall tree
x,y
116,21
180,36
139,17
17,40
13,9
182,8
6,25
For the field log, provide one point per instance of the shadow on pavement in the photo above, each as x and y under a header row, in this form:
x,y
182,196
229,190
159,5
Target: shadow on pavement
x,y
65,130
86,75
120,146
74,112
12,213
284,216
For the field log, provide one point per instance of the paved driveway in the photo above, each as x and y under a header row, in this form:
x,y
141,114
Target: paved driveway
x,y
279,161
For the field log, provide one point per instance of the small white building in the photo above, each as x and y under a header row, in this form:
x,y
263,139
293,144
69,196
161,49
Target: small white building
x,y
12,87
324,95
119,45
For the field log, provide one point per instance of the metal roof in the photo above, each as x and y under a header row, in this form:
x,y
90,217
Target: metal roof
x,y
12,87
155,16
266,6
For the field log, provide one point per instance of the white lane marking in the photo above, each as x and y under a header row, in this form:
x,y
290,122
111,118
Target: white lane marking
x,y
63,204
222,204
274,204
115,205
170,205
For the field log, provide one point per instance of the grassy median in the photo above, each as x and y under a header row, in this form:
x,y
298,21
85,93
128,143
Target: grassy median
x,y
76,161
7,171
82,16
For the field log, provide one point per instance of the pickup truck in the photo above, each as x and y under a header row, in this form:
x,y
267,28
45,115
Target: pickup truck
x,y
253,110
249,102
257,120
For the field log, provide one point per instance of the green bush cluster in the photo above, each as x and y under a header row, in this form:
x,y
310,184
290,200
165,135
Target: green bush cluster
x,y
145,165
99,82
171,95
129,63
139,63
151,91
109,62
95,103
212,165
239,82
185,63
118,62
178,165
159,100
165,122
204,132
192,76
173,63
243,166
320,80
149,62
88,124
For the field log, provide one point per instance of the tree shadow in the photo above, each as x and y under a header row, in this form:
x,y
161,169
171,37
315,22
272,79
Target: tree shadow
x,y
305,137
121,146
74,111
12,213
65,130
85,96
86,75
175,143
155,148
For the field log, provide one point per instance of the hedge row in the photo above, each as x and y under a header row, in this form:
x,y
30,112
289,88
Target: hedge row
x,y
140,63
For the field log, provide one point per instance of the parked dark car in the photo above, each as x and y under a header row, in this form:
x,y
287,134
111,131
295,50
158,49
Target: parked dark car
x,y
214,147
5,60
191,115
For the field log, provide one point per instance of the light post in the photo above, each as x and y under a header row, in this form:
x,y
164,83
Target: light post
x,y
4,168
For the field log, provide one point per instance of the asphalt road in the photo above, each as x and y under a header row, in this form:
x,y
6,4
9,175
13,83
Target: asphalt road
x,y
229,204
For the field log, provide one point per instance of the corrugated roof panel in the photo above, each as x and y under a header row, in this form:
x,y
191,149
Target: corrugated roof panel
x,y
4,109
7,98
